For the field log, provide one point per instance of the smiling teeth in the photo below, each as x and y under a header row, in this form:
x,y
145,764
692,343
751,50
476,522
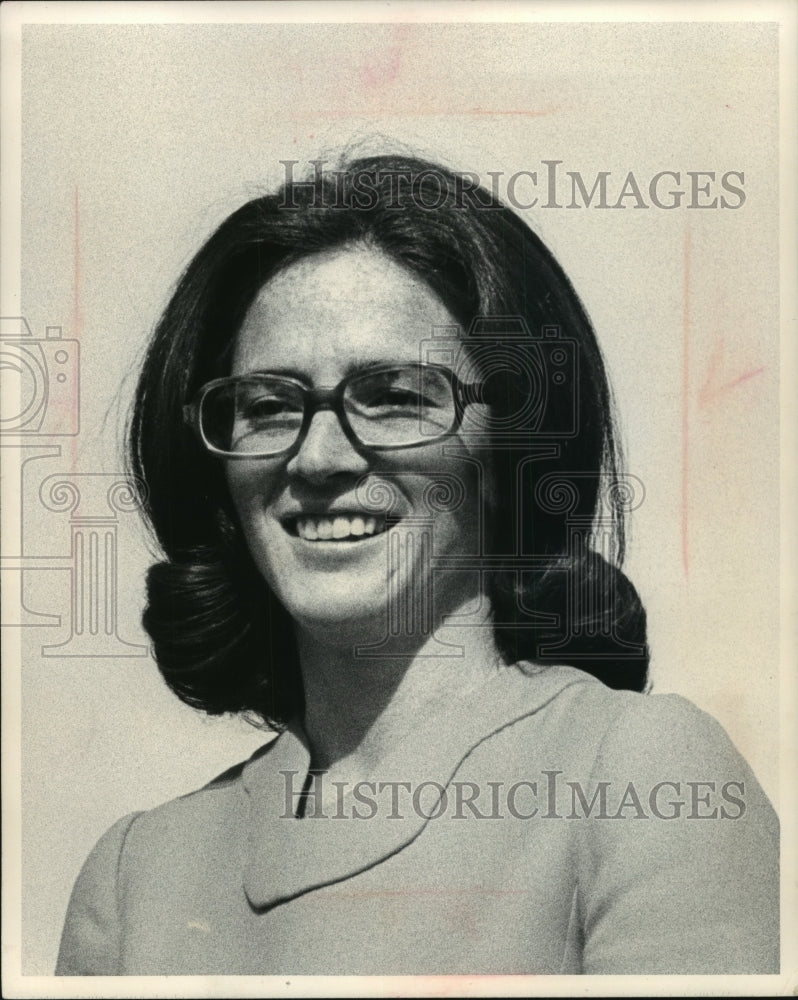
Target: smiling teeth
x,y
323,528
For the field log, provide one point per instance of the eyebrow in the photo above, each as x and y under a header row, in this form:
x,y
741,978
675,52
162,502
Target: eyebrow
x,y
352,368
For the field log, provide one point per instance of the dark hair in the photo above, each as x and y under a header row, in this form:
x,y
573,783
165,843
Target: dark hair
x,y
222,641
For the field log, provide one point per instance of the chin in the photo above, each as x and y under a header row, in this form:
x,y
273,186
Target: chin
x,y
342,592
338,621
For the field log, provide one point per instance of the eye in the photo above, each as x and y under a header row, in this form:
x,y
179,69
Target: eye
x,y
395,396
400,391
261,408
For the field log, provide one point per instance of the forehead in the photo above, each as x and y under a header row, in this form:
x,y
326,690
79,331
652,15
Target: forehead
x,y
337,310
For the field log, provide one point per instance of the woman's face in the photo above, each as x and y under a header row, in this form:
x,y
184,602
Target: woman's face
x,y
319,320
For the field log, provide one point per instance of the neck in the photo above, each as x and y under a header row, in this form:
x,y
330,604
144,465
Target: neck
x,y
358,708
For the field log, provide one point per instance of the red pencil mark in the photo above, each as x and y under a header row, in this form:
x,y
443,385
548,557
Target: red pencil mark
x,y
517,112
715,385
712,389
713,366
686,404
480,891
744,377
384,66
389,104
77,326
428,111
77,319
379,73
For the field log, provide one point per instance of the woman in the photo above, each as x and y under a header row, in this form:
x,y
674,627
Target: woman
x,y
375,442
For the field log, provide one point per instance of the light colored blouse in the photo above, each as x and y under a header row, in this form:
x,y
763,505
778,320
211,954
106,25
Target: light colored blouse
x,y
545,824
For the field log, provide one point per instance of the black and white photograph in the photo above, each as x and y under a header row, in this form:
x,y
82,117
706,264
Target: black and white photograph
x,y
398,448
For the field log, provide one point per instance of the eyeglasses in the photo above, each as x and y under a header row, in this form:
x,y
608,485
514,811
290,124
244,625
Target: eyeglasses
x,y
260,415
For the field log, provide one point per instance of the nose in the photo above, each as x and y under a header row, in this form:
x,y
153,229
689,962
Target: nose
x,y
326,451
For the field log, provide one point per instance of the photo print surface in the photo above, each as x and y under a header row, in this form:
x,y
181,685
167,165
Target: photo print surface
x,y
391,446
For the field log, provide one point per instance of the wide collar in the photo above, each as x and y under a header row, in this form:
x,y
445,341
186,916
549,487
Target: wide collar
x,y
287,857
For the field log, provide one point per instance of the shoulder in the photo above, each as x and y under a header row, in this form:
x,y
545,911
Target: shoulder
x,y
582,721
174,836
90,938
666,737
142,847
675,843
619,729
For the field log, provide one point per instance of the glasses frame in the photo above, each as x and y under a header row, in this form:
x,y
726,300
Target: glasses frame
x,y
322,398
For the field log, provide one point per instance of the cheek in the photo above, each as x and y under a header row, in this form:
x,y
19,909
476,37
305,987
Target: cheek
x,y
246,480
251,488
460,495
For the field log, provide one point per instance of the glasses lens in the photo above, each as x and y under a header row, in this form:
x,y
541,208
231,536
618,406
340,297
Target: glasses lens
x,y
252,416
402,406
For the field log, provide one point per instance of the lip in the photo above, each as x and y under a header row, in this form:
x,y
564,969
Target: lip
x,y
331,554
330,512
289,524
340,544
289,519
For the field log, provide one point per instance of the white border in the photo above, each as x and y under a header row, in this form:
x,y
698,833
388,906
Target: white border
x,y
12,16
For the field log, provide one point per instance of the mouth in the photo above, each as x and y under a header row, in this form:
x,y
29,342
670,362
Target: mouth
x,y
340,528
